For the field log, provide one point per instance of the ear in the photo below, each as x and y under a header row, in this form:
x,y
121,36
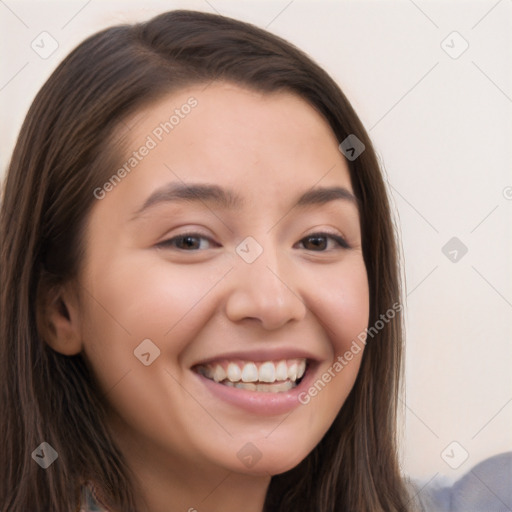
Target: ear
x,y
58,318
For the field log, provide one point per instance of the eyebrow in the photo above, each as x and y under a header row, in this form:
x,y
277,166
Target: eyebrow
x,y
228,199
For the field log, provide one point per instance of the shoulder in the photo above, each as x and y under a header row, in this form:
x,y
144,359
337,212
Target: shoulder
x,y
486,487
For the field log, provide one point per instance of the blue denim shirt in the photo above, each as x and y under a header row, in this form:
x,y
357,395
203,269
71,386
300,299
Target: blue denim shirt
x,y
487,487
88,501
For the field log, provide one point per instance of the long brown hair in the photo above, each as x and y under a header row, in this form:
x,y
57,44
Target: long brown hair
x,y
64,151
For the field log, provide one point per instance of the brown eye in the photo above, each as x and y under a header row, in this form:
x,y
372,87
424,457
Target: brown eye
x,y
319,242
187,242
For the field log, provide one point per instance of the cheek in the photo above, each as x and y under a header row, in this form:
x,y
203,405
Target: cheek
x,y
135,298
341,302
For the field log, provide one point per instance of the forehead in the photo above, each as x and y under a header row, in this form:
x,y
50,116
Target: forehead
x,y
260,144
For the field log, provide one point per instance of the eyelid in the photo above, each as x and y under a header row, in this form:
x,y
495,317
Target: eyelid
x,y
337,237
166,242
186,230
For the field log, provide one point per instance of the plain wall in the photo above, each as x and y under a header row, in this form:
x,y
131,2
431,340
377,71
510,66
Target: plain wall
x,y
442,127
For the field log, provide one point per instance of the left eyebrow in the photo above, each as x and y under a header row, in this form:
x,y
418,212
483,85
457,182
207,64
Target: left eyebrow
x,y
228,199
323,195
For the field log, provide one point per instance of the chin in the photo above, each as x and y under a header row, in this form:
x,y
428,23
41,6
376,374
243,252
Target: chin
x,y
271,459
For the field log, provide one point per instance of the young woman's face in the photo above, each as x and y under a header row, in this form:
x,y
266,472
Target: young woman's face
x,y
245,280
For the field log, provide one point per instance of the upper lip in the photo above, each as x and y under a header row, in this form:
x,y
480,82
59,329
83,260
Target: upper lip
x,y
274,354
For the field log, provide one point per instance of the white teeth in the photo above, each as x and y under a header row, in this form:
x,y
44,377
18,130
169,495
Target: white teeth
x,y
219,374
276,388
234,373
250,373
301,368
283,386
283,373
265,388
281,370
245,385
267,372
292,372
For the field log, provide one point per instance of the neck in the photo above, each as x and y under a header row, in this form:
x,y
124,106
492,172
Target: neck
x,y
167,483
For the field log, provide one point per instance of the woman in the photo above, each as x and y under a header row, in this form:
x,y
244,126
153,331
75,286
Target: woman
x,y
200,286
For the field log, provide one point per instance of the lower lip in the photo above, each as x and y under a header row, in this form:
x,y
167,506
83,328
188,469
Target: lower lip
x,y
259,402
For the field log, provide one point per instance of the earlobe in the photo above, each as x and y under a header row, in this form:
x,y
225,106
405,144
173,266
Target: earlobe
x,y
58,319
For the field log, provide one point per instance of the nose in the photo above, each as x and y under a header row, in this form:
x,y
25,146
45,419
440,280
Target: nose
x,y
262,292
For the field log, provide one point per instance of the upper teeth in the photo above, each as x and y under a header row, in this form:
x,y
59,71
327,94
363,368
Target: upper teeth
x,y
269,371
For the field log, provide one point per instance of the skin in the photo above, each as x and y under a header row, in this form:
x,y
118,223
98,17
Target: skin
x,y
180,441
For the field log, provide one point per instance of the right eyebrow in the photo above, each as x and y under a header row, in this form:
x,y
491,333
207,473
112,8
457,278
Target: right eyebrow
x,y
188,192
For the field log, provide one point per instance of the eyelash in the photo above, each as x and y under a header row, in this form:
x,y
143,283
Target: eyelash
x,y
170,243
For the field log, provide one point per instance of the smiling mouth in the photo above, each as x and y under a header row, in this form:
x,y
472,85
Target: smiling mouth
x,y
269,376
